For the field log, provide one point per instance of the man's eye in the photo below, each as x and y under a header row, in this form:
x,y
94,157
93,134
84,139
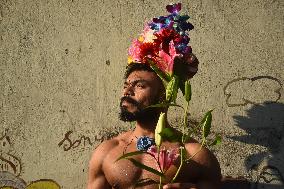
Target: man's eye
x,y
140,85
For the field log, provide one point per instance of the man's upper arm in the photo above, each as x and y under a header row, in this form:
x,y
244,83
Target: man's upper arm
x,y
210,172
96,177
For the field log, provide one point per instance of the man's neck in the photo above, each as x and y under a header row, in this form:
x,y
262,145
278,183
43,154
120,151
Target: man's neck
x,y
146,129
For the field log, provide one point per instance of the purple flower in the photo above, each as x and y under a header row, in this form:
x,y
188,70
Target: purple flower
x,y
173,8
162,22
183,48
172,21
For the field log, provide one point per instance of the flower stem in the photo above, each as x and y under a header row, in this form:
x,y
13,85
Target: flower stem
x,y
185,122
160,184
158,161
182,150
181,164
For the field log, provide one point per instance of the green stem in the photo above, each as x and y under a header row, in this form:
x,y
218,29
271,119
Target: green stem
x,y
183,141
185,122
160,184
180,166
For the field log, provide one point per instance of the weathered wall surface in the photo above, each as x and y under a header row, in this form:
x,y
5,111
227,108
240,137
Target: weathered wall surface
x,y
61,66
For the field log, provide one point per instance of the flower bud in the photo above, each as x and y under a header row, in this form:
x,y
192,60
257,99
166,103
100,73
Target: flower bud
x,y
159,128
187,91
172,89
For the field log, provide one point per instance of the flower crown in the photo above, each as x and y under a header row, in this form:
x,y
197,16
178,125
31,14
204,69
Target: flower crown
x,y
163,40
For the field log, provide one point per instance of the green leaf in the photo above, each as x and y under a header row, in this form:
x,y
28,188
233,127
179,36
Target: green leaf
x,y
184,17
125,156
216,141
145,167
145,182
187,91
164,77
169,134
206,125
203,119
176,85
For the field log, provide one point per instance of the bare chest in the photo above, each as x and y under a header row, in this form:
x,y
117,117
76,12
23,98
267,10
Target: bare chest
x,y
123,174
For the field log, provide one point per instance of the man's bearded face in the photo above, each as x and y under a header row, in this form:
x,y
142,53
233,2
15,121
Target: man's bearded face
x,y
141,89
140,114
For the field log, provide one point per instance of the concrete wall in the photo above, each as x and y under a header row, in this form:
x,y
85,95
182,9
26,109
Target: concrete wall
x,y
61,67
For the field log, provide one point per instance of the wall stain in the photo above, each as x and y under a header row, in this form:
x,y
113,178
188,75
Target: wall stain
x,y
1,15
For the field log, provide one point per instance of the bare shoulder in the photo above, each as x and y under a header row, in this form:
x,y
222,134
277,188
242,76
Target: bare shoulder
x,y
201,154
207,163
106,146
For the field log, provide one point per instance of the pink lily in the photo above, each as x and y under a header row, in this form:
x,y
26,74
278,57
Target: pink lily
x,y
165,159
166,61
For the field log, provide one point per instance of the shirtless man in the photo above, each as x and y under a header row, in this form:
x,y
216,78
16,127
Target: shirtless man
x,y
142,88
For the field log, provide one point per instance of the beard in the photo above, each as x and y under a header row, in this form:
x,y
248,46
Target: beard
x,y
145,115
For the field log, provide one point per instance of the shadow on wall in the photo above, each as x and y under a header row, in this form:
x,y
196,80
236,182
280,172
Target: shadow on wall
x,y
264,126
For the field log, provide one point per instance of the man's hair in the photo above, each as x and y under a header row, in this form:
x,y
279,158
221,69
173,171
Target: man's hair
x,y
136,67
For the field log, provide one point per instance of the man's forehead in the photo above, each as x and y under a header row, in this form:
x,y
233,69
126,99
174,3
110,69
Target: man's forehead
x,y
145,76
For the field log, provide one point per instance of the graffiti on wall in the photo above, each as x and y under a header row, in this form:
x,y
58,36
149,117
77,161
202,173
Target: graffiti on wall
x,y
266,176
8,161
263,125
243,91
67,143
71,140
11,168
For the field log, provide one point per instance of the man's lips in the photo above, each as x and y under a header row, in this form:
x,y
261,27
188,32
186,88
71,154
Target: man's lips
x,y
125,103
128,101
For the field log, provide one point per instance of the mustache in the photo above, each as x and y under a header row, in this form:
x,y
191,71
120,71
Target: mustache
x,y
129,100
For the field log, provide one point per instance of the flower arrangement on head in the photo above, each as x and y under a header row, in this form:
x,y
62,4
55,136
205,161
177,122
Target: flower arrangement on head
x,y
164,46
